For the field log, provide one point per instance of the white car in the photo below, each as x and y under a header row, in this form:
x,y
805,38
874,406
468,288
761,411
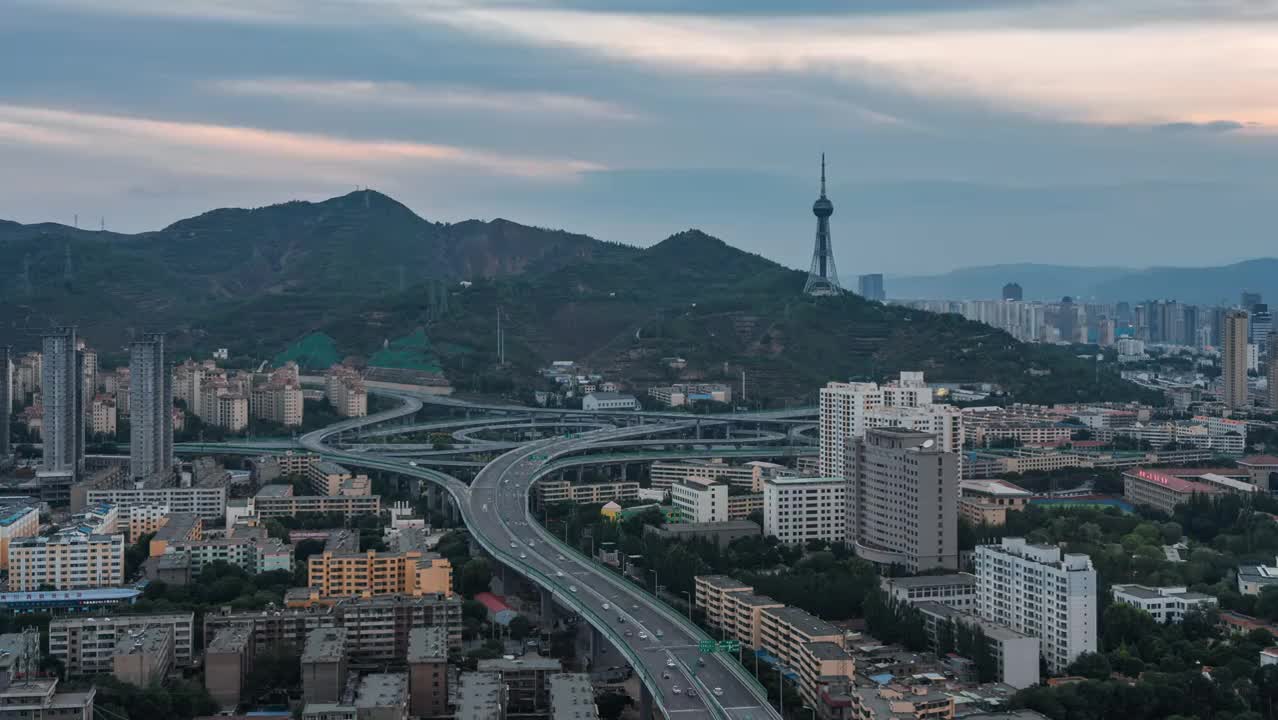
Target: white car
x,y
606,606
559,573
572,588
523,556
531,542
659,633
718,691
670,662
643,636
513,545
561,557
676,690
413,463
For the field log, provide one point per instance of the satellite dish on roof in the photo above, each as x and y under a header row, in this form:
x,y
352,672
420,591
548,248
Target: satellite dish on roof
x,y
929,443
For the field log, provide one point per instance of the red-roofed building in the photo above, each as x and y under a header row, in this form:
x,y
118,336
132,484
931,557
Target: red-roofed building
x,y
1162,489
498,611
1263,470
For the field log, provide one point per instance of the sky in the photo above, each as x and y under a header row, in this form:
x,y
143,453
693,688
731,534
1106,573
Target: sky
x,y
1086,132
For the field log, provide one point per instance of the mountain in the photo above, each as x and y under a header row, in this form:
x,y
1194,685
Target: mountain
x,y
362,276
272,272
1201,286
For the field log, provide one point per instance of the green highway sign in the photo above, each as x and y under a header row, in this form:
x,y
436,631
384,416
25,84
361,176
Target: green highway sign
x,y
707,646
537,457
730,646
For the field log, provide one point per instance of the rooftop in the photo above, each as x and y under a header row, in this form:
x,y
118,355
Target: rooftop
x,y
325,645
933,580
723,582
572,697
533,662
148,640
729,525
480,696
610,396
427,644
382,690
1001,488
1258,460
231,639
803,621
804,480
991,629
827,651
275,491
746,598
177,527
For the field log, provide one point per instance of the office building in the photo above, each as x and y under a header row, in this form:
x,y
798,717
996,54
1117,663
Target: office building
x,y
1165,604
61,389
870,287
1040,591
572,697
1234,359
525,680
382,696
324,665
700,501
1271,374
428,672
987,502
228,660
796,510
958,590
66,561
86,645
481,696
39,698
150,409
144,655
902,500
1015,654
6,398
1259,326
944,422
843,413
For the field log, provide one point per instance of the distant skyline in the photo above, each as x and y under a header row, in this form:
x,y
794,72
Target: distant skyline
x,y
1083,132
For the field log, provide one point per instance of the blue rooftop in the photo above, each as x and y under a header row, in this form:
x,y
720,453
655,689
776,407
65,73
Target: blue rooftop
x,y
16,515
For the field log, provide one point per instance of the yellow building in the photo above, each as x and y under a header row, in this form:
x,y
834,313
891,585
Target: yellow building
x,y
67,561
176,528
987,502
18,523
371,573
611,511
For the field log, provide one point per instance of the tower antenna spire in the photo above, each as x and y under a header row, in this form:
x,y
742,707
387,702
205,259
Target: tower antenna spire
x,y
822,174
823,279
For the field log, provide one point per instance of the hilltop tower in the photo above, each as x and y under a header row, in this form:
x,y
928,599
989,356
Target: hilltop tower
x,y
823,279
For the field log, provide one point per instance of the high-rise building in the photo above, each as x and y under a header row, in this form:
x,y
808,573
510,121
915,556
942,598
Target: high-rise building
x,y
1271,371
1234,358
870,287
151,408
1013,291
796,509
844,407
61,389
823,278
6,397
1249,299
1038,591
1260,324
903,500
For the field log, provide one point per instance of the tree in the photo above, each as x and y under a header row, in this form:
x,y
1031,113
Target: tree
x,y
1090,665
520,627
476,576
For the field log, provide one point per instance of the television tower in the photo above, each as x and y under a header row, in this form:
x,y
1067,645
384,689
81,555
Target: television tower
x,y
823,279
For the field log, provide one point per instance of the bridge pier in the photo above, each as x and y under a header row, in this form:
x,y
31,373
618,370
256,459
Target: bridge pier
x,y
645,702
698,429
547,609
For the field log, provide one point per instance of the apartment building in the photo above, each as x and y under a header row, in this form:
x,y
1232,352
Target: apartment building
x,y
902,499
324,665
66,561
525,680
209,502
277,401
482,696
1165,604
572,697
1015,654
143,655
748,476
944,422
987,502
710,593
807,645
170,528
378,627
700,500
17,522
844,407
1040,591
345,391
228,661
150,409
957,591
901,702
742,504
428,672
368,574
742,616
278,500
796,510
86,645
548,492
248,548
102,415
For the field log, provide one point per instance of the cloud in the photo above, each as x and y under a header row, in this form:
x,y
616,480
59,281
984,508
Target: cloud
x,y
231,150
367,93
1215,126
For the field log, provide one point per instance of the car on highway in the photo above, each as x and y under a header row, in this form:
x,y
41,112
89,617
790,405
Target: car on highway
x,y
513,545
572,588
676,690
634,607
665,675
643,636
523,556
692,692
718,692
670,662
559,573
659,633
606,606
561,557
413,463
530,542
621,619
629,634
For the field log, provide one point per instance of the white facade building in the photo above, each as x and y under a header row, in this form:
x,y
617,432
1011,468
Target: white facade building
x,y
1165,604
844,410
700,500
796,510
1040,591
609,401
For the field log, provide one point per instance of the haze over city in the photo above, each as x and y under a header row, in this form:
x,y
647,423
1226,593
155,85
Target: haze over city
x,y
1126,132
